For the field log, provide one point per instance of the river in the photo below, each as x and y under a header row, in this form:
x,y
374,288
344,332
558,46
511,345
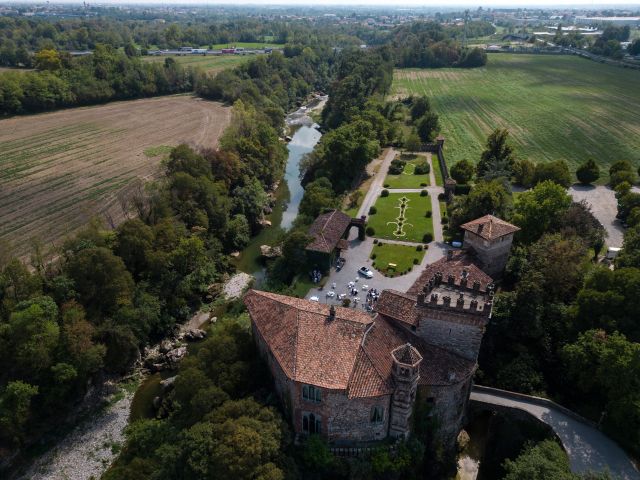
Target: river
x,y
305,136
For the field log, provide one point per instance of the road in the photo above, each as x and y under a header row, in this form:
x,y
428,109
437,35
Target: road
x,y
587,447
357,255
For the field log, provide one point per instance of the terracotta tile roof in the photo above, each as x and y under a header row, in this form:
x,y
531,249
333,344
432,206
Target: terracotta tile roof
x,y
407,354
397,305
455,266
309,346
489,227
327,230
352,352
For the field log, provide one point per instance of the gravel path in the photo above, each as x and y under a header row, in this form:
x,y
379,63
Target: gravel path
x,y
236,285
88,450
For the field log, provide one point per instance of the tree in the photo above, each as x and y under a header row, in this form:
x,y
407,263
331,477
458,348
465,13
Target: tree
x,y
318,196
419,106
15,409
523,172
484,198
588,172
413,143
497,152
428,126
537,209
238,233
47,60
556,171
462,171
634,48
544,461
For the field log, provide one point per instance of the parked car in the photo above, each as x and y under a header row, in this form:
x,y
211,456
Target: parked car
x,y
331,294
339,264
314,299
365,272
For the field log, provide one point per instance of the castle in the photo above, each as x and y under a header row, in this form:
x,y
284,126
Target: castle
x,y
354,377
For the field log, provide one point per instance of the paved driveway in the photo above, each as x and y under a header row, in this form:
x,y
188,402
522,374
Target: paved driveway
x,y
604,206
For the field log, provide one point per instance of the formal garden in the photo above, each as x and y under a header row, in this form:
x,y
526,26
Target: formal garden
x,y
408,171
401,216
392,259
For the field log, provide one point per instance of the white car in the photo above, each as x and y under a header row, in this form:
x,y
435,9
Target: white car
x,y
314,299
365,272
331,294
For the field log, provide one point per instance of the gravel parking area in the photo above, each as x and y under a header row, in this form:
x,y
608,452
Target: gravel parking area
x,y
604,206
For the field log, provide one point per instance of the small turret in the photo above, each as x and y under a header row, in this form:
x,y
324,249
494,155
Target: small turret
x,y
406,373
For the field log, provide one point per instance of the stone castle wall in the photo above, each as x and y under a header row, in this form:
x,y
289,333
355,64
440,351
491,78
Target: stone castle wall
x,y
463,339
492,255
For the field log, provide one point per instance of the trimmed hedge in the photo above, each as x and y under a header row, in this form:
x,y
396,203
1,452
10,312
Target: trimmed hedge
x,y
370,231
427,238
384,193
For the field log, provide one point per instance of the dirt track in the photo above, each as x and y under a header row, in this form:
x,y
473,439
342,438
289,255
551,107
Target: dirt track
x,y
57,170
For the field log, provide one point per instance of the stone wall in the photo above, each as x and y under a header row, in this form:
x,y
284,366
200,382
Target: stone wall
x,y
463,339
492,255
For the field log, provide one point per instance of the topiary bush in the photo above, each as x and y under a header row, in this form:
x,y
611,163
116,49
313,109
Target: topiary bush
x,y
373,256
441,196
428,214
422,168
427,237
424,193
373,210
380,244
422,184
386,185
419,248
385,193
426,247
416,261
371,231
444,220
375,240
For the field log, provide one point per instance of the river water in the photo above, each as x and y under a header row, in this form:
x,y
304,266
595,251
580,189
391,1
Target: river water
x,y
305,136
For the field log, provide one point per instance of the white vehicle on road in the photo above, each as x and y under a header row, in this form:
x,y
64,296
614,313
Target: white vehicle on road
x,y
365,272
314,299
331,294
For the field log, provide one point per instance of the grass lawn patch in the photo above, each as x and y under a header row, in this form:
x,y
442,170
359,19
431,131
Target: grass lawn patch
x,y
402,216
402,256
408,179
437,171
580,108
443,209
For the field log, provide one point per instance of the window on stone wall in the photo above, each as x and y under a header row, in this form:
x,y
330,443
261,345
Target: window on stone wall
x,y
377,414
311,393
311,423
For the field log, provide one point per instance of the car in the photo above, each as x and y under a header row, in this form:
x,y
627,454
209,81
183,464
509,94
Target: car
x,y
331,294
314,299
365,272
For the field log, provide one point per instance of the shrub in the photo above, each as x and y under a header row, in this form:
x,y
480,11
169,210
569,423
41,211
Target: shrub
x,y
386,185
441,196
423,184
373,256
346,302
396,167
422,168
426,247
380,244
373,210
428,214
371,231
621,166
424,193
588,172
462,189
444,220
385,193
427,237
375,240
419,248
556,171
462,171
416,261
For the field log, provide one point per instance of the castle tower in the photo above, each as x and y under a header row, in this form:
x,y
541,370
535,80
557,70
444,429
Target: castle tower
x,y
490,238
406,368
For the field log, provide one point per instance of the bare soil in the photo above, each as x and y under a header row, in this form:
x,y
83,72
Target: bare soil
x,y
60,169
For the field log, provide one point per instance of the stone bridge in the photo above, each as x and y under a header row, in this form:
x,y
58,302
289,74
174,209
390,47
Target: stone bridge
x,y
587,447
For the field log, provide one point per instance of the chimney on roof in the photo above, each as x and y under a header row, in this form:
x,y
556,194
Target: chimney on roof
x,y
421,298
332,313
446,300
460,301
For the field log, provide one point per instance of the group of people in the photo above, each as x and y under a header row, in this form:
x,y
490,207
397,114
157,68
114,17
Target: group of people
x,y
372,298
316,275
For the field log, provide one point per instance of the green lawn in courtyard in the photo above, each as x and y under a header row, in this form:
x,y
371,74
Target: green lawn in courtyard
x,y
414,224
408,179
402,256
437,171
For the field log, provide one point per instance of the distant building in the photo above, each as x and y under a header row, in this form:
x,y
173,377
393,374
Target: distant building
x,y
620,21
328,236
354,377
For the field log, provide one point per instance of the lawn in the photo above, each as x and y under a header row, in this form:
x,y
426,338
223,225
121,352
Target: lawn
x,y
408,179
391,223
556,107
437,171
404,257
209,63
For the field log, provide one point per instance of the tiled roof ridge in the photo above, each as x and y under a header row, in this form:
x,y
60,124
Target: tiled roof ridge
x,y
281,299
295,350
374,364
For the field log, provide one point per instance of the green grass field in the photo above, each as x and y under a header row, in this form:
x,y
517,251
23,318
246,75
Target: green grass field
x,y
402,256
556,107
408,179
415,223
209,63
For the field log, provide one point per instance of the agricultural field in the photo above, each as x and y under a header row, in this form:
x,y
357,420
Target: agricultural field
x,y
58,170
402,216
209,63
556,107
